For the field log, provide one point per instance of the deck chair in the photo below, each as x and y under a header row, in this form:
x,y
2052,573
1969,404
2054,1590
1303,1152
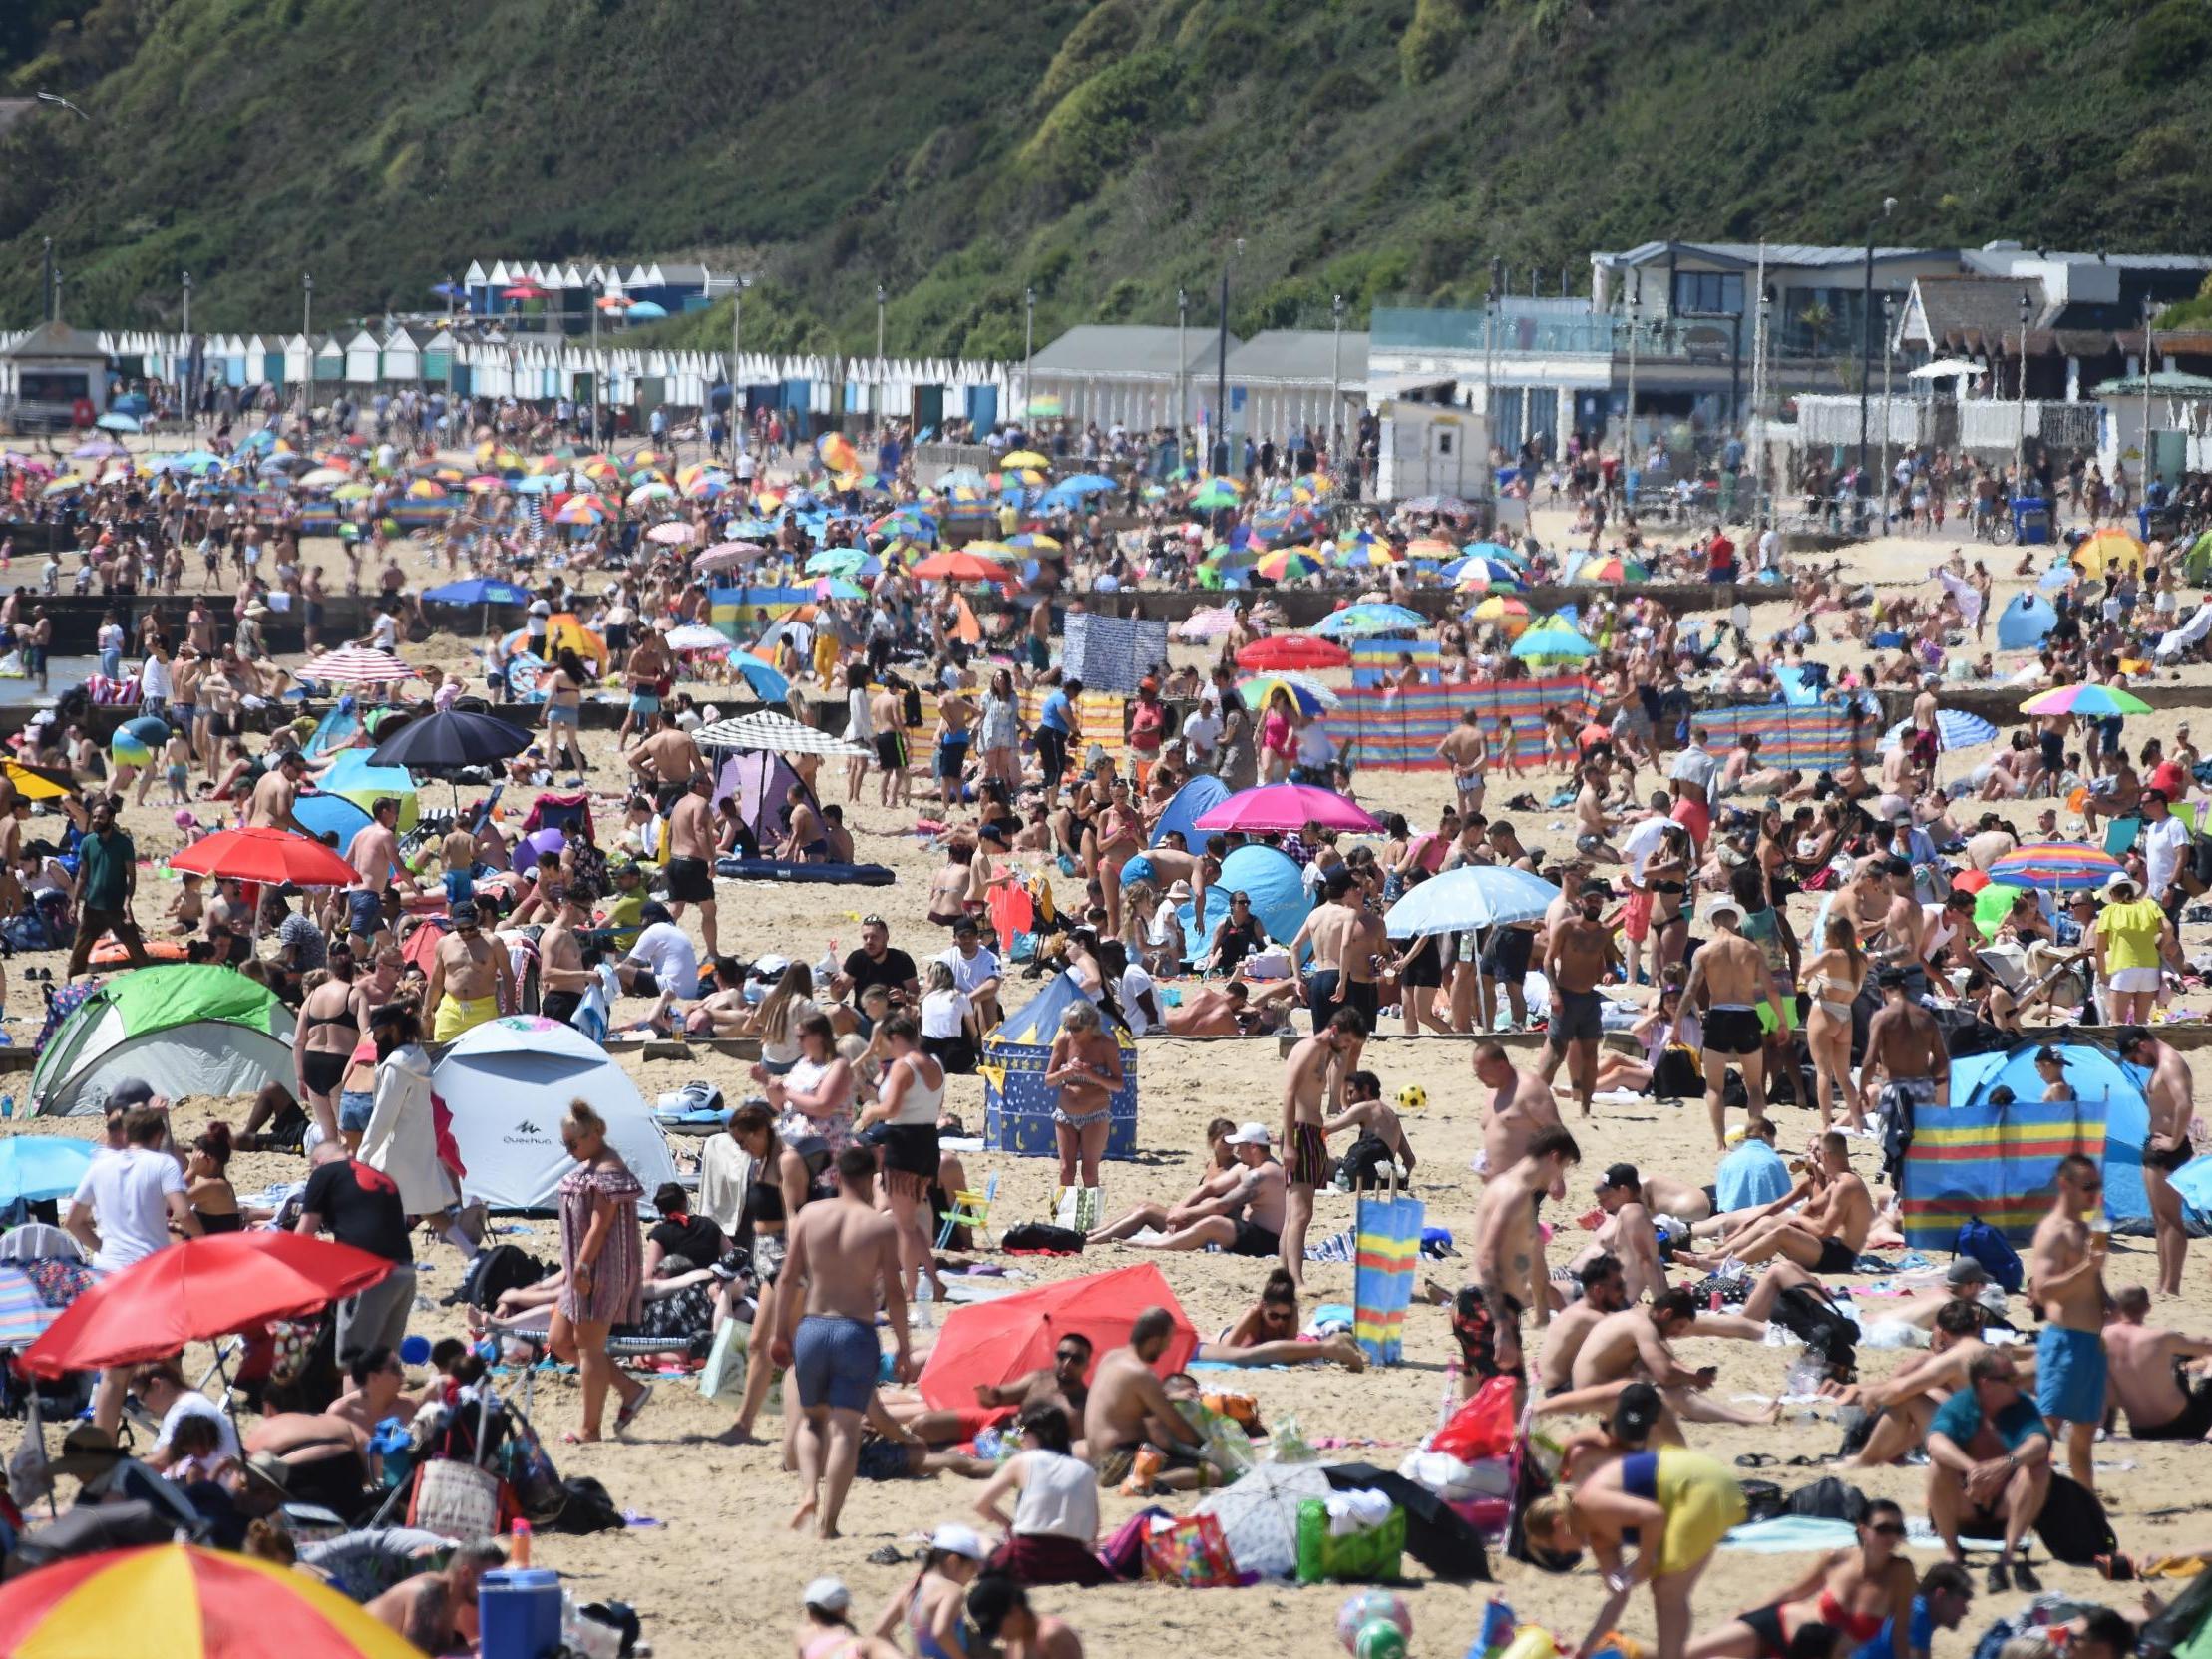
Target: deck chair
x,y
2120,834
971,1210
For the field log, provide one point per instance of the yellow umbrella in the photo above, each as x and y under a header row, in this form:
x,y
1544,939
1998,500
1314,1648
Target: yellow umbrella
x,y
1022,459
2105,548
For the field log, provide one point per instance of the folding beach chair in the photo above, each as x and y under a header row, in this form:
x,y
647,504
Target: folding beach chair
x,y
971,1210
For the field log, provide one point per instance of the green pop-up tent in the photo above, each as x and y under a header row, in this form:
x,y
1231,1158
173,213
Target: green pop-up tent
x,y
186,1027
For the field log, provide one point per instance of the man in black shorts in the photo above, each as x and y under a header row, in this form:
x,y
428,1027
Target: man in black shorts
x,y
1246,1220
1581,953
1733,975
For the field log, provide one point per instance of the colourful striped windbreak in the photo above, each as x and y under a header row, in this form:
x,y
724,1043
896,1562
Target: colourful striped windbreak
x,y
1996,1162
1387,1238
1397,731
734,610
1810,739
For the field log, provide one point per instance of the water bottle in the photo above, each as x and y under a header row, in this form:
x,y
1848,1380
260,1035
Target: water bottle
x,y
7,1105
923,1296
517,1553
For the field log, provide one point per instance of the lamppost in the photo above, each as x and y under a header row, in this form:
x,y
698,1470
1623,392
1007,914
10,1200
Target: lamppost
x,y
2143,484
185,381
1489,366
2019,448
453,351
1758,403
1028,350
1336,378
307,340
1627,425
46,280
1221,367
1866,329
738,284
1889,358
1182,372
881,296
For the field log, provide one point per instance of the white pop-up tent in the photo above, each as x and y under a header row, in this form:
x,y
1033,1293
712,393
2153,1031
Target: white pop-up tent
x,y
508,1084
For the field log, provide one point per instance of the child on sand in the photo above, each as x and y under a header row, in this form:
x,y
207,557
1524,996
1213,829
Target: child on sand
x,y
1507,749
457,852
177,762
189,905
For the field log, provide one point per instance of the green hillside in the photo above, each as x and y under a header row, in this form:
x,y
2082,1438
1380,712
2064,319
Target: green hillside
x,y
1103,152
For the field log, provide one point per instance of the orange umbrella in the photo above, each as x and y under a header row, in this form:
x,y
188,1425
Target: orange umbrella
x,y
961,565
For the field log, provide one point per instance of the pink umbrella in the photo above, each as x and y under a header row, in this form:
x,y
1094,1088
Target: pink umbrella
x,y
356,666
1288,806
725,556
672,534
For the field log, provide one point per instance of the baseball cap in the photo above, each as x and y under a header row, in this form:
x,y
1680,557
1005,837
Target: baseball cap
x,y
1248,1134
130,1091
1623,1175
828,1595
2047,1051
1637,1413
1965,1271
955,1540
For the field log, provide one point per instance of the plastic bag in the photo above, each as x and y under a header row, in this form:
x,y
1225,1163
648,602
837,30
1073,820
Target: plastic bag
x,y
1482,1427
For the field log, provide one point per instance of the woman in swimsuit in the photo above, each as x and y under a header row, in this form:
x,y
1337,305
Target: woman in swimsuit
x,y
565,713
1833,979
328,1031
1279,736
208,1185
1667,879
1085,1069
824,1632
1850,1590
1674,1505
778,1193
1118,838
1267,1333
934,1605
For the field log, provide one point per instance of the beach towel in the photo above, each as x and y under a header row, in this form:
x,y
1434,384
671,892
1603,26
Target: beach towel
x,y
1389,1249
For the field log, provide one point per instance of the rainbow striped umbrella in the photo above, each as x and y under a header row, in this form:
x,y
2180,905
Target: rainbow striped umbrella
x,y
1308,694
2055,866
1286,564
2094,702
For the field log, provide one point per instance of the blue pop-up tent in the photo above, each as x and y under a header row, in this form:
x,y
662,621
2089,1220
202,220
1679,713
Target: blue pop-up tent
x,y
1017,1107
2025,623
1188,804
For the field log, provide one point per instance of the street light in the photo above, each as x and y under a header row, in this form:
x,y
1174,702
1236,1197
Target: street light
x,y
881,296
1628,426
1221,367
1489,364
1182,372
2019,450
1866,330
1337,377
1889,357
1028,351
2148,310
307,338
186,380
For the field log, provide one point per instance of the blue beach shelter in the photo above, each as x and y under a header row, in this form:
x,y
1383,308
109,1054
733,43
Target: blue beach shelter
x,y
1017,1107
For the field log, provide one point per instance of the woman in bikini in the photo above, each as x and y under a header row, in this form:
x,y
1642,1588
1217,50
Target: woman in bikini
x,y
1667,879
1267,1334
1118,838
564,711
208,1185
328,1031
1085,1069
1833,980
1849,1590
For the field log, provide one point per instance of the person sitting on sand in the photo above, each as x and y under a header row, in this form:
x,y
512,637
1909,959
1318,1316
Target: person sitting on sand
x,y
1633,1343
2162,1400
826,1631
437,1611
1267,1334
1051,1537
1245,1218
1382,1139
1904,1403
1826,1236
1853,1591
1129,1411
1001,1611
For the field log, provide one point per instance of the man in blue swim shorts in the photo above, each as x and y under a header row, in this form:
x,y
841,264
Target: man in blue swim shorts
x,y
2066,1275
846,1256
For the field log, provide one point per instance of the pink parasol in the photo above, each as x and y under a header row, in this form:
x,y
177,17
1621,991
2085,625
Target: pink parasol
x,y
1288,806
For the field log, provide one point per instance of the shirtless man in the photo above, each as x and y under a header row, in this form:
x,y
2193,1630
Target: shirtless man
x,y
1212,1011
1345,937
2168,1095
471,978
1734,977
1825,1236
1521,1108
1904,1401
2065,1276
1510,1275
1247,1219
1898,943
276,794
1905,1047
1467,752
1129,1408
378,1391
1580,953
374,855
1313,1089
886,717
1627,1233
668,760
1631,1345
802,840
1167,1218
1593,829
1367,1113
560,969
1605,1291
846,1254
2146,1373
437,1611
956,717
691,852
1172,862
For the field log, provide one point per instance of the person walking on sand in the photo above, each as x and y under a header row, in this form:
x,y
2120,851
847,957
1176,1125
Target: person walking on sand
x,y
2065,1276
603,1257
1313,1091
842,1263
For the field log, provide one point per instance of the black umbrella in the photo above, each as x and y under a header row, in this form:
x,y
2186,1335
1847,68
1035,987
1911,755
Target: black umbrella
x,y
450,742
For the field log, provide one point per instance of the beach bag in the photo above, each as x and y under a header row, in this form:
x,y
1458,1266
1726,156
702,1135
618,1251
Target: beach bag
x,y
1372,1553
2073,1524
1827,1498
1191,1553
1123,1553
722,1378
454,1500
1044,1238
1677,1075
501,1268
586,1506
1978,1239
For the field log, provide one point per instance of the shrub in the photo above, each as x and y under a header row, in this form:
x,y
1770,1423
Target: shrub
x,y
1430,41
2170,41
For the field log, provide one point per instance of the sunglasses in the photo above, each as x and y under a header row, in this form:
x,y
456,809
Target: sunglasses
x,y
1888,1530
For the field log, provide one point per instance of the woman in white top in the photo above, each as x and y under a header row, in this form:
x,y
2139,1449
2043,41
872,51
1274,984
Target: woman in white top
x,y
1052,1535
947,1022
907,1103
777,1021
859,728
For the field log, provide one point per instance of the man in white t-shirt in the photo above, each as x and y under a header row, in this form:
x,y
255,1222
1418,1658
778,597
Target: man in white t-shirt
x,y
975,970
2164,843
1133,991
122,1212
162,1390
663,961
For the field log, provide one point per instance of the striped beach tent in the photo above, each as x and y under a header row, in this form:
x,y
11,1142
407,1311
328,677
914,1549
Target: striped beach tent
x,y
1994,1153
1387,1246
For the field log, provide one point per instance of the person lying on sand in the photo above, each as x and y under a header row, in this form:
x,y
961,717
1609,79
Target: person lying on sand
x,y
1267,1333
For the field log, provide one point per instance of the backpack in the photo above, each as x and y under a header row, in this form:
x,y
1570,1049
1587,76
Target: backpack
x,y
1827,1498
587,1508
503,1267
1817,1323
1677,1075
1039,1235
2073,1524
1978,1239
